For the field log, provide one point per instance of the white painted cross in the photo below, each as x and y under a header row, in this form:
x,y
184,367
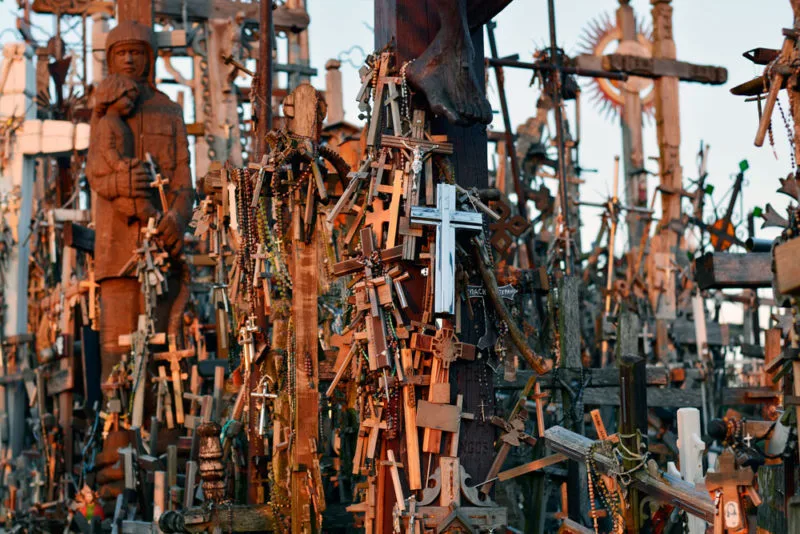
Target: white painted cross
x,y
691,448
446,219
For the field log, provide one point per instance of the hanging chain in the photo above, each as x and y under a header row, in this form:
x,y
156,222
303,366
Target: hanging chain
x,y
789,133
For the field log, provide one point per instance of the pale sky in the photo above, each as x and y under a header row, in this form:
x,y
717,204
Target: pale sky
x,y
712,32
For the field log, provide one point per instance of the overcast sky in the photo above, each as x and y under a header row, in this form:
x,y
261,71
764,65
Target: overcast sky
x,y
706,32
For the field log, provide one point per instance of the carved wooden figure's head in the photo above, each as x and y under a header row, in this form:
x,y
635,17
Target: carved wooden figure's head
x,y
130,59
130,51
116,94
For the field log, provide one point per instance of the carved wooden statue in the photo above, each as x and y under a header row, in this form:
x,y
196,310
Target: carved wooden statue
x,y
154,126
444,72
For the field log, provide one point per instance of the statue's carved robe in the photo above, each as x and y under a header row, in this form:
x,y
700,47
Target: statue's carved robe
x,y
158,129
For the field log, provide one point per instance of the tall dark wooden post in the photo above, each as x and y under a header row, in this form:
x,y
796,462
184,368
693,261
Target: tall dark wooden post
x,y
632,424
264,117
136,10
412,25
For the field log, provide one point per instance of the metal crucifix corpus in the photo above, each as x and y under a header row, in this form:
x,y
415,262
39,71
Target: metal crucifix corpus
x,y
447,219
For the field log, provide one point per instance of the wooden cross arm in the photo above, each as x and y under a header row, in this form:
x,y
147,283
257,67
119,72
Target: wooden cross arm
x,y
740,477
353,266
393,141
694,500
530,467
654,68
126,340
173,356
500,423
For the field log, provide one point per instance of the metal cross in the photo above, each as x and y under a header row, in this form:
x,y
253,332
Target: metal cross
x,y
446,219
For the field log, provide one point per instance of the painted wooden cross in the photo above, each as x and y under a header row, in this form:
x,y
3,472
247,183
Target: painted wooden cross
x,y
726,483
446,219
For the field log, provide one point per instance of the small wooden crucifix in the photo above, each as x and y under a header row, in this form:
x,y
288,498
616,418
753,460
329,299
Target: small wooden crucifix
x,y
725,485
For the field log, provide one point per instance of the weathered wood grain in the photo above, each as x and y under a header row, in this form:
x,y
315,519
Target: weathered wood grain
x,y
598,378
694,499
727,270
656,397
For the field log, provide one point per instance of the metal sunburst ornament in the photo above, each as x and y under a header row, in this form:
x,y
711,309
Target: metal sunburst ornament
x,y
601,37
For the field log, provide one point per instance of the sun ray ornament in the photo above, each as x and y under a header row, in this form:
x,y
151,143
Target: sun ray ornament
x,y
601,37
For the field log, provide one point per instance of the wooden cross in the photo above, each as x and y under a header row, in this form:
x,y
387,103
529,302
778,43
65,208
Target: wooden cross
x,y
261,171
444,345
410,420
376,218
138,341
163,400
539,398
368,437
375,324
392,216
378,169
445,350
92,286
247,342
506,227
393,465
261,276
357,179
513,435
174,357
36,484
727,482
446,219
158,182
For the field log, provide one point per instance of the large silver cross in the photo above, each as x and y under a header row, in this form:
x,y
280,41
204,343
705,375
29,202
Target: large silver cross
x,y
446,219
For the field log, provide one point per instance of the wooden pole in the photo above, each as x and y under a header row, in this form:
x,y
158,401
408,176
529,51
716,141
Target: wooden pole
x,y
632,144
632,424
570,336
264,117
305,119
412,25
668,124
670,174
555,59
511,150
135,10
